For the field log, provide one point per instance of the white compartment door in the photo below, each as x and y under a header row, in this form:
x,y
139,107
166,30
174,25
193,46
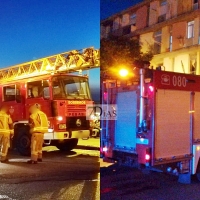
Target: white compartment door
x,y
172,123
125,129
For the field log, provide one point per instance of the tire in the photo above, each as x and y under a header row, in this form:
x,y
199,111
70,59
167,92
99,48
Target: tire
x,y
23,142
67,145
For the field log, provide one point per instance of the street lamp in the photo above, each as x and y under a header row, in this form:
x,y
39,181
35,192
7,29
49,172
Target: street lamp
x,y
123,72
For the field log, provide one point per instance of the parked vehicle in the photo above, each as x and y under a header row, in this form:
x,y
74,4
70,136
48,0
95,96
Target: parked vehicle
x,y
157,124
62,95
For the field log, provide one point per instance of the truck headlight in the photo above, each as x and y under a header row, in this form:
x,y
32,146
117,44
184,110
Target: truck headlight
x,y
59,118
62,126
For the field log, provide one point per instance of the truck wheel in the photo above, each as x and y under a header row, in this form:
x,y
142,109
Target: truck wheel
x,y
67,145
24,142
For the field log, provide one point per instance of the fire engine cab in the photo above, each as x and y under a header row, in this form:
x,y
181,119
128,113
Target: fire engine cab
x,y
62,95
158,122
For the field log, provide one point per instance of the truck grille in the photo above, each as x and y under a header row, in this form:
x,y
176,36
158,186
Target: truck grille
x,y
77,123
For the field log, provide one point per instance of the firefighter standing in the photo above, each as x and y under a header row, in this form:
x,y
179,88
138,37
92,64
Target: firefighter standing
x,y
38,126
6,132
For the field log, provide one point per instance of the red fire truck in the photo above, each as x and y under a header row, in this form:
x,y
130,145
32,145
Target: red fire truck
x,y
62,95
158,122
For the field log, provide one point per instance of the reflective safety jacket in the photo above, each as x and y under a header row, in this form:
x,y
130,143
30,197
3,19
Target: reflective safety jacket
x,y
5,121
39,122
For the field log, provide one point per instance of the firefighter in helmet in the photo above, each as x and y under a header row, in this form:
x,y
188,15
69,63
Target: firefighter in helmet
x,y
38,126
6,132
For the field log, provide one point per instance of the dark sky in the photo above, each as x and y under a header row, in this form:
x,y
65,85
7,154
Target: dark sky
x,y
32,29
110,7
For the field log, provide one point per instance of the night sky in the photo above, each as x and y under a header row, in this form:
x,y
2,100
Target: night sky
x,y
32,29
110,7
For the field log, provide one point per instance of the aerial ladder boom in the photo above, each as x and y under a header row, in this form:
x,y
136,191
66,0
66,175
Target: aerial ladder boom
x,y
71,61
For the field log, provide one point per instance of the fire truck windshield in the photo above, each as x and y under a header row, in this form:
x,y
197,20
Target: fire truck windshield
x,y
70,87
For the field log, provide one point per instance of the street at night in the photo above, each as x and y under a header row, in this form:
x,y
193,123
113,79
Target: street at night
x,y
151,75
120,182
61,175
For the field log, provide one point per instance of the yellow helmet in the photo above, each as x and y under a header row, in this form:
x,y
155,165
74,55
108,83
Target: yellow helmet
x,y
33,108
4,108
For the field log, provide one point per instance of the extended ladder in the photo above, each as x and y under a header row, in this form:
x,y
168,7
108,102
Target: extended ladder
x,y
71,61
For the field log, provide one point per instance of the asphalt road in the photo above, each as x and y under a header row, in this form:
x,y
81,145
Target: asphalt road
x,y
119,183
67,176
76,176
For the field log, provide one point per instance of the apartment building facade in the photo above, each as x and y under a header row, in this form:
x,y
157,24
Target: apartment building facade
x,y
170,29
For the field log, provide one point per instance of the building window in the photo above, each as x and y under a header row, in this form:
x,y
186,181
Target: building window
x,y
170,38
170,43
132,19
190,31
192,68
116,24
193,64
124,20
157,41
163,2
195,4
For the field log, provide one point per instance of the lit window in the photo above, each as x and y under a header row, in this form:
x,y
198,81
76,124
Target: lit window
x,y
190,32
